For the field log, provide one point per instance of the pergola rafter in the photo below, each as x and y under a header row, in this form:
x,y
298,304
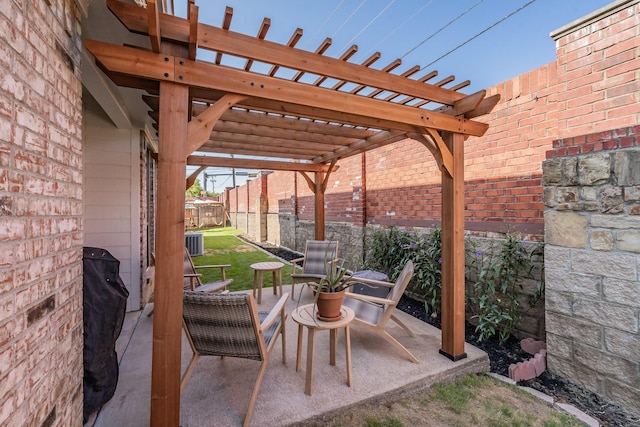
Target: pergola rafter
x,y
327,110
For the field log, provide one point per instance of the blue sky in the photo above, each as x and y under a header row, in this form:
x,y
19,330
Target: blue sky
x,y
470,39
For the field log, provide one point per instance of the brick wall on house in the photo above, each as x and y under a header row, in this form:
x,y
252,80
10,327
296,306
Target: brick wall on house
x,y
148,180
41,214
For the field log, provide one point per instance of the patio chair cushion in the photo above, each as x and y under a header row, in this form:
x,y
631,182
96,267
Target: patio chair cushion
x,y
369,288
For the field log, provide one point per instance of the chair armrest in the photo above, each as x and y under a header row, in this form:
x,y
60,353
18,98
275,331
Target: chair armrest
x,y
212,266
276,311
215,286
192,279
220,266
357,279
309,276
368,298
294,263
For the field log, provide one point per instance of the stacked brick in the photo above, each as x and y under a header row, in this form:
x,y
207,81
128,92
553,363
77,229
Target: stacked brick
x,y
40,214
592,257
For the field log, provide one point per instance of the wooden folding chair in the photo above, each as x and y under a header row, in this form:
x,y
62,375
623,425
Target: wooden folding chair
x,y
374,312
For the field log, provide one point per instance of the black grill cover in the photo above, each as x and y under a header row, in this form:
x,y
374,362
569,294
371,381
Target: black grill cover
x,y
104,304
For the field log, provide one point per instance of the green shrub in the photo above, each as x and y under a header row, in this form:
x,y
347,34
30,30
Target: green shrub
x,y
493,278
390,249
494,284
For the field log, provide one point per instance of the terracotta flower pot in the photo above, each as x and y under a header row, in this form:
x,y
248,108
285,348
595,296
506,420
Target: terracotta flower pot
x,y
329,305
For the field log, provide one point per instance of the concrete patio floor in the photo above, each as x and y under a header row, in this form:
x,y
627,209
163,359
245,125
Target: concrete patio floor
x,y
219,389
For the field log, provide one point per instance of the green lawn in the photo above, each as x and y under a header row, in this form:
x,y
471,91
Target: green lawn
x,y
221,246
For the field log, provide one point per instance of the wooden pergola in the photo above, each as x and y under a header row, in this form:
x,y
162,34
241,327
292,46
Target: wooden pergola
x,y
304,114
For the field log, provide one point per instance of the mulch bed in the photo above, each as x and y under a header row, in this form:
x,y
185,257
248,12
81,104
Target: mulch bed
x,y
503,355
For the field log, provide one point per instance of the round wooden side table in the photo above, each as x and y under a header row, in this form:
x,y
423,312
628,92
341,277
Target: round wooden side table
x,y
259,268
305,316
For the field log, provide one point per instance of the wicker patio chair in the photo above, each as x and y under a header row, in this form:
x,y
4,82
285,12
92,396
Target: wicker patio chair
x,y
230,325
317,254
374,312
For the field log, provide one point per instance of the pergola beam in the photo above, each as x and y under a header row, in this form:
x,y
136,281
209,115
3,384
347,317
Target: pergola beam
x,y
191,179
256,164
216,39
154,25
200,127
259,142
290,124
192,16
126,60
292,155
316,141
378,140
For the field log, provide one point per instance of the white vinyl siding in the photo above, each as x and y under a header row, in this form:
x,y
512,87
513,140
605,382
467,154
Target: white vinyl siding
x,y
112,197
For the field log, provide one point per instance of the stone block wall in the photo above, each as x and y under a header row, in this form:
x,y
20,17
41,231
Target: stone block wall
x,y
592,261
274,228
286,227
41,167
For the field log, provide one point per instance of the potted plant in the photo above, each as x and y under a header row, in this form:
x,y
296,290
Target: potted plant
x,y
330,288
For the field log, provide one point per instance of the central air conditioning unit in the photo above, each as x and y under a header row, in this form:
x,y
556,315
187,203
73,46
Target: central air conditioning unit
x,y
194,243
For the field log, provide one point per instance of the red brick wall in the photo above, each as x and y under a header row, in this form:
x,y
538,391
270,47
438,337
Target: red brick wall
x,y
281,191
232,201
304,201
254,190
598,82
40,214
403,185
344,200
241,194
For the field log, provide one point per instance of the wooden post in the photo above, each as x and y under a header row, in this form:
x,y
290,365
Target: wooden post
x,y
453,289
167,317
319,205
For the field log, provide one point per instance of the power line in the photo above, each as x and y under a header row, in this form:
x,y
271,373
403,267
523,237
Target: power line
x,y
480,33
398,27
369,24
441,28
349,18
326,21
